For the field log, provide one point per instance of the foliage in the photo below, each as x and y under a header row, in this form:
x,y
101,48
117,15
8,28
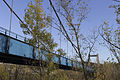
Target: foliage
x,y
23,72
4,74
36,26
61,52
107,71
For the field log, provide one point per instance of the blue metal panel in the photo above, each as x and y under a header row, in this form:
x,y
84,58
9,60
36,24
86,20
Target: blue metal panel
x,y
55,59
63,60
44,55
74,63
3,42
20,49
37,54
78,64
69,63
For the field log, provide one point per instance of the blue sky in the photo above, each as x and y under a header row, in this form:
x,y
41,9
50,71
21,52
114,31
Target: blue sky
x,y
99,12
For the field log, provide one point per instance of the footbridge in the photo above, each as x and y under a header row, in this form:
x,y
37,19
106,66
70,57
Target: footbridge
x,y
14,49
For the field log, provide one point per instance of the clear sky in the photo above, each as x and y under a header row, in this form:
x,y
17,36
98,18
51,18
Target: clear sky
x,y
99,12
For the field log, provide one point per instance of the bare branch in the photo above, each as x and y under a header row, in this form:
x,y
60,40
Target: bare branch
x,y
108,41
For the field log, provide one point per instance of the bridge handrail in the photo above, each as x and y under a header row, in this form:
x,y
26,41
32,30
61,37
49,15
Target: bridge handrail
x,y
16,36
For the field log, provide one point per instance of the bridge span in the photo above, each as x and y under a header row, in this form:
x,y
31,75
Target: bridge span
x,y
17,51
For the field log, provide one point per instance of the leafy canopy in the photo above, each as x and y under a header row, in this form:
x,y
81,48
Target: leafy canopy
x,y
36,25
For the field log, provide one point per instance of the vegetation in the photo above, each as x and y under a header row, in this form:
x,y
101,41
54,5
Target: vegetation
x,y
36,25
106,71
61,52
23,72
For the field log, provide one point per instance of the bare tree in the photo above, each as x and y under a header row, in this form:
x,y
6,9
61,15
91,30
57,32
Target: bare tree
x,y
70,14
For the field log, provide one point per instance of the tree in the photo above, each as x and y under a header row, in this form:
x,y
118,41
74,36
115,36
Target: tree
x,y
69,16
36,26
111,35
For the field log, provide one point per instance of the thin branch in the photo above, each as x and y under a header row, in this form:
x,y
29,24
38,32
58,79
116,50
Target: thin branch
x,y
76,34
116,0
107,40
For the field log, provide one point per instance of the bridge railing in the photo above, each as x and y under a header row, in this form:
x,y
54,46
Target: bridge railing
x,y
12,34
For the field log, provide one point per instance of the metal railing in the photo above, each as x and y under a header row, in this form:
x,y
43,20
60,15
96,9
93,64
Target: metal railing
x,y
12,34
